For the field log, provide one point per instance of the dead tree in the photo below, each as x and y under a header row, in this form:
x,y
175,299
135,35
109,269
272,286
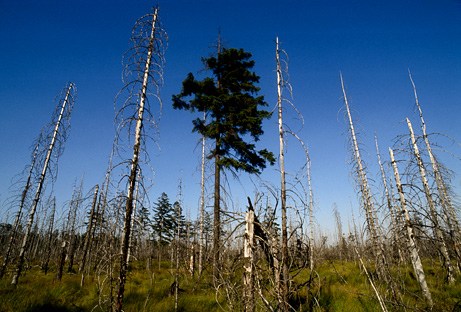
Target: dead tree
x,y
19,213
283,287
394,223
202,204
442,188
143,71
58,137
248,257
46,261
74,207
366,196
411,244
440,239
88,235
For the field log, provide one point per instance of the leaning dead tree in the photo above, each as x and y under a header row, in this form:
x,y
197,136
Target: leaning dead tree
x,y
46,260
143,75
411,244
366,196
433,214
89,234
394,220
22,203
442,187
61,122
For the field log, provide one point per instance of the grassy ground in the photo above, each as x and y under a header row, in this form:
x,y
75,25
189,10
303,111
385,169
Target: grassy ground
x,y
337,286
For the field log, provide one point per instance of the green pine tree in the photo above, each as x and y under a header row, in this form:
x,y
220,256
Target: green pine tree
x,y
229,99
163,221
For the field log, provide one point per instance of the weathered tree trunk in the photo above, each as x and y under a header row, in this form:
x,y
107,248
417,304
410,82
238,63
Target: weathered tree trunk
x,y
394,220
46,261
134,168
368,204
445,199
202,205
311,214
411,245
178,213
88,236
378,296
440,240
283,287
67,101
62,260
217,199
248,275
135,204
17,220
75,204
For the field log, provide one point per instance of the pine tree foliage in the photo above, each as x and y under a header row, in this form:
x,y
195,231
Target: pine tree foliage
x,y
163,221
230,100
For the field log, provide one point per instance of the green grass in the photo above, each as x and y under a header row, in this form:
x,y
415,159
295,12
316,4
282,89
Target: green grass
x,y
336,286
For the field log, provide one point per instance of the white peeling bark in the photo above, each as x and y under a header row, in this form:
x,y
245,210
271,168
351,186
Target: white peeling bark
x,y
134,168
446,202
440,240
283,288
248,275
38,191
411,244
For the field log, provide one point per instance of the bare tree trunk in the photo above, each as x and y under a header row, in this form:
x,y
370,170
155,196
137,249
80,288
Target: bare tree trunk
x,y
75,204
177,234
283,288
88,236
50,238
370,212
217,219
248,275
446,201
62,260
440,240
394,220
217,200
378,296
134,169
67,101
415,259
202,205
311,215
135,204
17,220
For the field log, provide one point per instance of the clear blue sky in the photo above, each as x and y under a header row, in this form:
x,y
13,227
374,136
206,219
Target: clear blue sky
x,y
45,44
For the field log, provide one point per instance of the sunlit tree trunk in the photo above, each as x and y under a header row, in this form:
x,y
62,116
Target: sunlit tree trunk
x,y
202,205
135,160
17,220
411,245
368,205
75,204
445,199
66,107
89,234
45,264
440,240
248,274
389,201
283,195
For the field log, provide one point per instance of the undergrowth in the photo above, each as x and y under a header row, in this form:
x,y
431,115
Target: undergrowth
x,y
334,286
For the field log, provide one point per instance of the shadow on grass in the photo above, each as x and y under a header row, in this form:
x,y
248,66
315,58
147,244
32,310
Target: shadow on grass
x,y
50,307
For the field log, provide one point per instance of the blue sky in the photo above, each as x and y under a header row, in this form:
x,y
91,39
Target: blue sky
x,y
48,43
